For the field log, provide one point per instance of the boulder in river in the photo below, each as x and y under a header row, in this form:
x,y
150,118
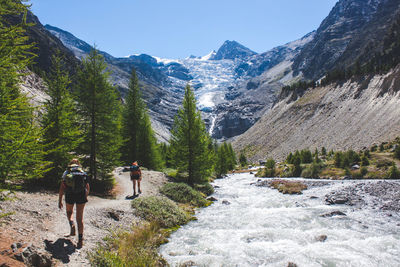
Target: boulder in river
x,y
333,213
212,199
336,199
226,202
321,238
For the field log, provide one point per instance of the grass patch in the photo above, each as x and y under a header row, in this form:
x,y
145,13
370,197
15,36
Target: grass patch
x,y
332,172
161,210
138,247
288,187
183,193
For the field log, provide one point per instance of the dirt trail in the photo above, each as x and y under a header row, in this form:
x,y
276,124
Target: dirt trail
x,y
37,222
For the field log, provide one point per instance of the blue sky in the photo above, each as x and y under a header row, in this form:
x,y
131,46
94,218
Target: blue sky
x,y
179,28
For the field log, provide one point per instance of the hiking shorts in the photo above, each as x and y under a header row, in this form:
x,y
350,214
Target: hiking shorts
x,y
76,198
135,176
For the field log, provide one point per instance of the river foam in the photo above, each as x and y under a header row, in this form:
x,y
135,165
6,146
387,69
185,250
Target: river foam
x,y
259,226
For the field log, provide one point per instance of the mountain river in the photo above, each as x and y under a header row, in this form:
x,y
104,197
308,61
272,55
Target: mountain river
x,y
251,225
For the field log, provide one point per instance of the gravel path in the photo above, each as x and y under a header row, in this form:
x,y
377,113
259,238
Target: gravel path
x,y
39,225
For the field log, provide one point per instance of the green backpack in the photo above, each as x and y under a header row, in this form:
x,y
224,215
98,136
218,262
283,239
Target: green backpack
x,y
75,179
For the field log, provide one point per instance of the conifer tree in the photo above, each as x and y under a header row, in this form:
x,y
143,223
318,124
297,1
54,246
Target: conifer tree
x,y
62,134
242,159
21,154
148,150
190,141
101,110
231,157
139,140
221,167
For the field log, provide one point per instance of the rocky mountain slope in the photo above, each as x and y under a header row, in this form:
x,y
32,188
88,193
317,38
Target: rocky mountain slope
x,y
353,28
336,116
354,110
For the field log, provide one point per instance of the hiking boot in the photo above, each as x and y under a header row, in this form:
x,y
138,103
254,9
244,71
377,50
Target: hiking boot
x,y
73,231
140,191
80,243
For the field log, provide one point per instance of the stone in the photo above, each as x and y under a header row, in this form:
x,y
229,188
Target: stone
x,y
226,202
115,215
321,238
333,213
336,199
14,247
212,199
291,264
187,264
313,197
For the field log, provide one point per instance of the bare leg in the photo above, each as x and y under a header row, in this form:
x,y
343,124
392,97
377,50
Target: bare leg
x,y
139,190
79,220
79,217
134,187
70,212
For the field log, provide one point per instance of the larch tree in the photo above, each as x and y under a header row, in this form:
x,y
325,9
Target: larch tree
x,y
190,142
139,140
21,153
101,110
62,134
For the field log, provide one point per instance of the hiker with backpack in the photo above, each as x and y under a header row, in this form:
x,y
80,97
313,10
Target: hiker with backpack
x,y
136,177
76,188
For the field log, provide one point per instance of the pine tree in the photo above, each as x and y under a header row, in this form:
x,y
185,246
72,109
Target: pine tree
x,y
62,134
190,141
148,150
21,154
139,140
221,167
242,159
231,157
98,104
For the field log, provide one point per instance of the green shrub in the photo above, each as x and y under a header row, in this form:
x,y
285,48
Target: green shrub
x,y
171,172
206,188
134,248
381,163
364,160
364,171
397,152
161,210
288,187
393,172
312,171
356,175
306,173
182,193
270,168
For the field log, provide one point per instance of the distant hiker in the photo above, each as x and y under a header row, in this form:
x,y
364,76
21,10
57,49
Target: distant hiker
x,y
136,176
76,187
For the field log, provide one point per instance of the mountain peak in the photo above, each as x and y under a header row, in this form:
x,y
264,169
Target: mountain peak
x,y
232,50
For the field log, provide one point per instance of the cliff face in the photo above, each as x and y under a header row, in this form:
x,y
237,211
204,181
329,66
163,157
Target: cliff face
x,y
340,116
353,28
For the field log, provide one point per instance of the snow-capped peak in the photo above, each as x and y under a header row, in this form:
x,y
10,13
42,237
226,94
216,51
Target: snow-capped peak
x,y
209,55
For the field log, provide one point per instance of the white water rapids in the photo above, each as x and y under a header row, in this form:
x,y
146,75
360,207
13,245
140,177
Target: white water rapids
x,y
262,227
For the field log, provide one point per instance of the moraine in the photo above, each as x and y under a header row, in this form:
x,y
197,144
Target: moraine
x,y
259,226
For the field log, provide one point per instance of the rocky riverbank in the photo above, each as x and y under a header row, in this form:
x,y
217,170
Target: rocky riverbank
x,y
381,195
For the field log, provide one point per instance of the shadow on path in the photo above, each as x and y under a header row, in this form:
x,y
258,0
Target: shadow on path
x,y
132,197
61,249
